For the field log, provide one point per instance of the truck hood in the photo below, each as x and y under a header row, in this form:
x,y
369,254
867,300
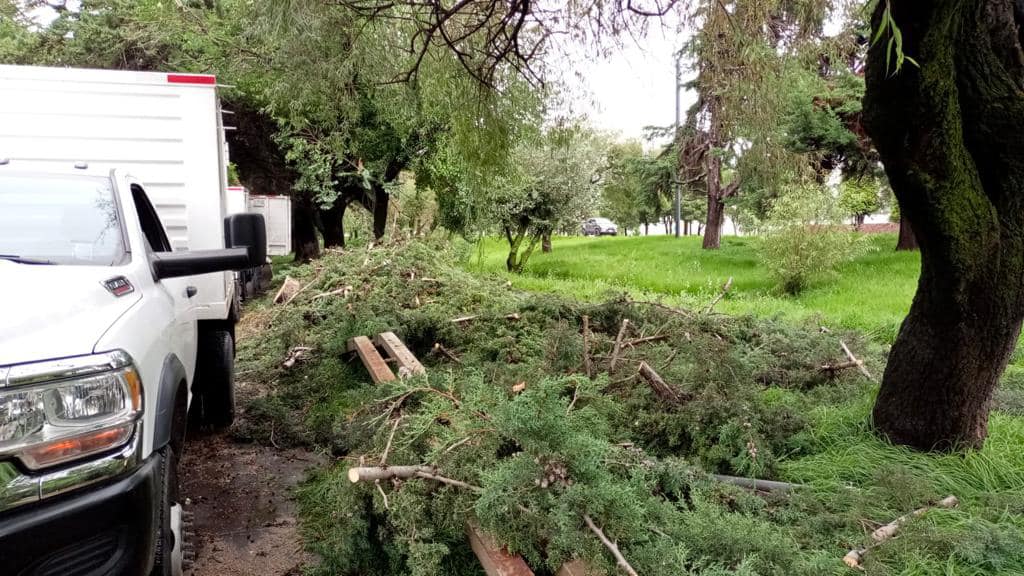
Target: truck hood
x,y
56,311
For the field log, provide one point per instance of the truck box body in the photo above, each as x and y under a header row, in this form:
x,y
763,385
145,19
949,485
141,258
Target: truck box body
x,y
277,213
163,129
238,199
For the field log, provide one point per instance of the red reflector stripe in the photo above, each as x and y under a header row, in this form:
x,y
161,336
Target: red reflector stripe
x,y
208,79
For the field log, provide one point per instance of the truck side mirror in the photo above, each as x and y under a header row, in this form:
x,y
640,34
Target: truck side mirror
x,y
247,230
177,264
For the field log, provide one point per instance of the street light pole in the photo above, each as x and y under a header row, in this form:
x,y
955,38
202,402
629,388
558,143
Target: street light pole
x,y
675,136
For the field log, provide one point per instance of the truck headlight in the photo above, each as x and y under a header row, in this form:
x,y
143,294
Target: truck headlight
x,y
55,412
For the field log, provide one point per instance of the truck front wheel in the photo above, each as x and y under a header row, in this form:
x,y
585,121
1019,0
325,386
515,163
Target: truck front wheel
x,y
169,558
214,390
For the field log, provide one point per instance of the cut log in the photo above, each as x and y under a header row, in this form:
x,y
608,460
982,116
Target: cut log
x,y
296,354
756,484
618,344
396,349
374,473
494,558
288,290
374,362
663,390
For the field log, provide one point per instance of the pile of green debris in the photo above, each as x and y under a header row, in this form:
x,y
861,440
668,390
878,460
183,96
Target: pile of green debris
x,y
546,421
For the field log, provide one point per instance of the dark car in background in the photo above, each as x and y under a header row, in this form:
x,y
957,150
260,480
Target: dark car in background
x,y
599,227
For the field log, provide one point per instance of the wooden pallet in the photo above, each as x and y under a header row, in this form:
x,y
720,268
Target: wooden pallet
x,y
377,365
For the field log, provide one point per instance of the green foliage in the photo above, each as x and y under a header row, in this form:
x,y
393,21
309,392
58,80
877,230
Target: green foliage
x,y
861,196
639,188
802,239
823,119
16,40
551,184
894,46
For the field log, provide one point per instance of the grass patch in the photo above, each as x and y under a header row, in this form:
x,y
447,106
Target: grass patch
x,y
871,294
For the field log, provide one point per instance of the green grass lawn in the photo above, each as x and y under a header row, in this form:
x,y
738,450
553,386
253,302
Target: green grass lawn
x,y
871,293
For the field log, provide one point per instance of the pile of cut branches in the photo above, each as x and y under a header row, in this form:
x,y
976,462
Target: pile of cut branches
x,y
565,429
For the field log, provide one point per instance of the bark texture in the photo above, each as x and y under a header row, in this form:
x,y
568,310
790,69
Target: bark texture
x,y
907,240
949,134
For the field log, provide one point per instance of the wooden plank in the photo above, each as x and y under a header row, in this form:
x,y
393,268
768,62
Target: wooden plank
x,y
397,350
372,359
578,568
494,559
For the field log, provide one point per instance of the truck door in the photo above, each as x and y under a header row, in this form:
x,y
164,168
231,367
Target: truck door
x,y
179,290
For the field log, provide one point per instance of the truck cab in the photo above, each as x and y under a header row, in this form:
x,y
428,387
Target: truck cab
x,y
117,312
98,359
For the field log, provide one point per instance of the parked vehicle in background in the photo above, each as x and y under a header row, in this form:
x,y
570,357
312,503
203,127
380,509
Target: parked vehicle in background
x,y
277,213
119,308
599,227
251,282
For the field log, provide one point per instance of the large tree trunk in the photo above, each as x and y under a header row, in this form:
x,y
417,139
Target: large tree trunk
x,y
332,223
305,243
715,191
949,134
516,260
713,229
545,242
381,199
907,240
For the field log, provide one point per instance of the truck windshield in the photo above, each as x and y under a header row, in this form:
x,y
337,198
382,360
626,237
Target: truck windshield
x,y
59,220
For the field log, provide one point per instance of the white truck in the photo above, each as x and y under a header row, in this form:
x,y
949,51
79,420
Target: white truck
x,y
117,311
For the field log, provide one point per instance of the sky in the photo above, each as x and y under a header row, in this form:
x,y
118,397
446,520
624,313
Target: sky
x,y
629,89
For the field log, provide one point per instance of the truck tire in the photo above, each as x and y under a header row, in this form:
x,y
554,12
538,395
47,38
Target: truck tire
x,y
215,379
169,556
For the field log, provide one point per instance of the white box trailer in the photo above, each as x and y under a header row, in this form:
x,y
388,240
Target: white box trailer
x,y
277,213
163,129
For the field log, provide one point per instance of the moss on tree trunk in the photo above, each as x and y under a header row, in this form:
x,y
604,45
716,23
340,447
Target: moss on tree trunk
x,y
949,134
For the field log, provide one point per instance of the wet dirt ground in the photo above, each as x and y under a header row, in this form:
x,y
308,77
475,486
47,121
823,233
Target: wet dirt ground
x,y
245,521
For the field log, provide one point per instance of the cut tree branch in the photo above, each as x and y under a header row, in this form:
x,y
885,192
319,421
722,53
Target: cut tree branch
x,y
374,473
446,353
645,339
587,366
658,385
725,290
611,546
854,557
618,344
860,363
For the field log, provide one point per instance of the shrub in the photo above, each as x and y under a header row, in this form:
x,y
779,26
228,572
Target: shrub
x,y
803,238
